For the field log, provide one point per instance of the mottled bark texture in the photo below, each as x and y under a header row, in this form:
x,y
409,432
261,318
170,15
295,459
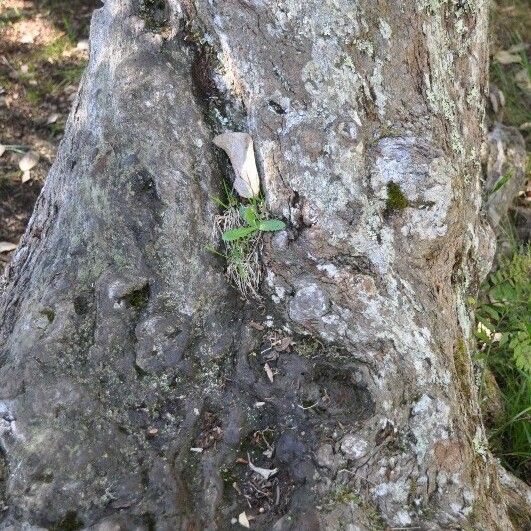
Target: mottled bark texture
x,y
123,346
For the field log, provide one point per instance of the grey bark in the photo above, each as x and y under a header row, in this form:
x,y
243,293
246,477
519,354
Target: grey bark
x,y
123,346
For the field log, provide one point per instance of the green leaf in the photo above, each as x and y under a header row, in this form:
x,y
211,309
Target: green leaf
x,y
504,339
272,225
236,234
501,182
503,292
249,215
492,312
522,356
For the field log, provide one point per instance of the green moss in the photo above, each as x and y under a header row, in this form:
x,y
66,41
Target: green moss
x,y
376,522
344,495
308,347
49,313
154,14
70,522
462,368
139,298
396,200
227,477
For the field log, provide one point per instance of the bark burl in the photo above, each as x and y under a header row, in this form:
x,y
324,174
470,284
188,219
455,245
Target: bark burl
x,y
133,386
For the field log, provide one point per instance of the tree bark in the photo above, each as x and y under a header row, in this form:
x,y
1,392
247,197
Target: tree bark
x,y
132,379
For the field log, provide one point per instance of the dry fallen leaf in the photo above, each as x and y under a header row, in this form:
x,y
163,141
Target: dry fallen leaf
x,y
269,372
2,150
52,118
264,472
26,176
28,161
523,81
497,98
284,344
520,47
6,247
505,57
243,520
239,148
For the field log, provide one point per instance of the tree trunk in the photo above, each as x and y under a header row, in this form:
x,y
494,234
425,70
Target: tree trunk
x,y
133,383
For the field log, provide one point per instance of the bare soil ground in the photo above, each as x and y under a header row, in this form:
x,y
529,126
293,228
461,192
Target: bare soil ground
x,y
43,52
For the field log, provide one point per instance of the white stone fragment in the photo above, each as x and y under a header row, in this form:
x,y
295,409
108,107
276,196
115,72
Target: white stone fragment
x,y
28,161
354,447
310,302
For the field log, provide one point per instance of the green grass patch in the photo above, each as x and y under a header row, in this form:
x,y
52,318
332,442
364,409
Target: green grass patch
x,y
55,49
34,96
504,337
71,75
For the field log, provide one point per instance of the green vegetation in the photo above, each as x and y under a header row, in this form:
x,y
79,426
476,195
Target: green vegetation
x,y
504,333
504,336
342,494
253,224
154,14
49,313
49,72
139,298
241,227
396,200
501,182
55,49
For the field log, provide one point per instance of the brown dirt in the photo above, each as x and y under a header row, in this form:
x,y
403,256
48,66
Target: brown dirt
x,y
40,68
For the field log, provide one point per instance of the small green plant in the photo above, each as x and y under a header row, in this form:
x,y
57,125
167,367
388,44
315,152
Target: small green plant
x,y
55,49
70,30
253,224
501,182
241,228
504,337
